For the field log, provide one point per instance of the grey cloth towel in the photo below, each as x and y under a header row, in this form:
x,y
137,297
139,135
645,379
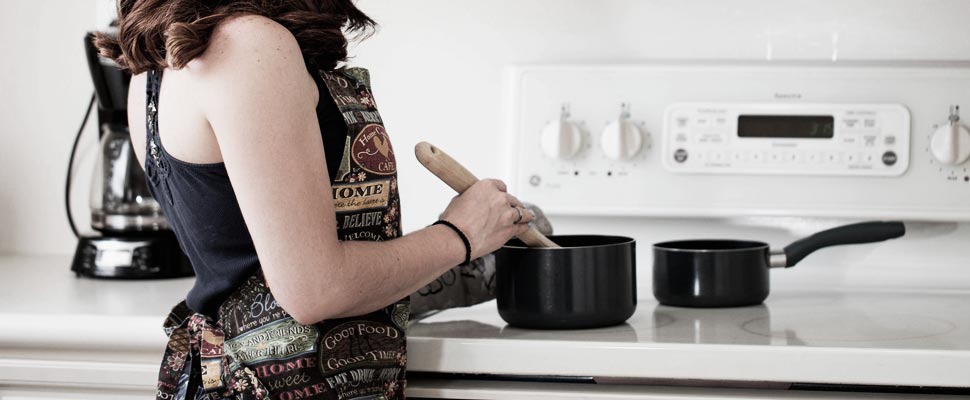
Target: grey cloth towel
x,y
467,285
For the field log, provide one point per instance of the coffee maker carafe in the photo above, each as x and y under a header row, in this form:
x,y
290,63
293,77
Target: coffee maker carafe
x,y
133,238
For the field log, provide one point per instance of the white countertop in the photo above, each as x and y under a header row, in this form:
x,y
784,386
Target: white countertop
x,y
830,336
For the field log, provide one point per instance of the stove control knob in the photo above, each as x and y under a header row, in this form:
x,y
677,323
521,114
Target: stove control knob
x,y
622,139
562,139
951,142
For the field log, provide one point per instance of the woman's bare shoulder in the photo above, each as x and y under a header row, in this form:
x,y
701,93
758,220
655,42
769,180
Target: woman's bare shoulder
x,y
249,41
252,58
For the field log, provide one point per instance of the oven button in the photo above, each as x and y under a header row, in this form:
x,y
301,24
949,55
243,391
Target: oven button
x,y
680,155
850,140
622,138
562,138
889,158
950,144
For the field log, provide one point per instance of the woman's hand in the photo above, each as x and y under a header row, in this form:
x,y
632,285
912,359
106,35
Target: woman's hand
x,y
488,216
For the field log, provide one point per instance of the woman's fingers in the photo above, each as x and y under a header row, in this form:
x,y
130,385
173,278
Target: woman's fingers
x,y
527,216
510,216
519,215
513,201
519,229
499,185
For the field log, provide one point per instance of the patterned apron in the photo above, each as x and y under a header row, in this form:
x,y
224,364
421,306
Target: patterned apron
x,y
255,350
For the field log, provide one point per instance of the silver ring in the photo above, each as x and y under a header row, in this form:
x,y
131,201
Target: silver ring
x,y
519,210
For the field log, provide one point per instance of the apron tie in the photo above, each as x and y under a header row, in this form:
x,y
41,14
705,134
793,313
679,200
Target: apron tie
x,y
197,337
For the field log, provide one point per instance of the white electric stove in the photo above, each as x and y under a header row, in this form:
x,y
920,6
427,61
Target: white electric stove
x,y
761,151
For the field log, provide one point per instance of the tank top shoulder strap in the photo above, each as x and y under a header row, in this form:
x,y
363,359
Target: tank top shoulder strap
x,y
156,167
154,83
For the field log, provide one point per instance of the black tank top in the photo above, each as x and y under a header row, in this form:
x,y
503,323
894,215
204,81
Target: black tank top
x,y
201,207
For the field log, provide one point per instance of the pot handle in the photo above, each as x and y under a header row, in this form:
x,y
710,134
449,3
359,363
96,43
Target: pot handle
x,y
455,175
863,232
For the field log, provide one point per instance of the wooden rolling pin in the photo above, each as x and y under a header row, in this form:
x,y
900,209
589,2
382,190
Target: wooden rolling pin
x,y
455,175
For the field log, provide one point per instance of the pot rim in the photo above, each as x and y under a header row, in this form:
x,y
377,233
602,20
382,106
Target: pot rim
x,y
623,241
678,246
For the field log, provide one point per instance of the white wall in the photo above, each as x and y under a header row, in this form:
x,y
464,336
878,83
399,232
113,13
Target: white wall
x,y
44,88
437,70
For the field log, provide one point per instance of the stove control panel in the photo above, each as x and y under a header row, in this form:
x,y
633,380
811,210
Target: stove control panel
x,y
842,140
787,138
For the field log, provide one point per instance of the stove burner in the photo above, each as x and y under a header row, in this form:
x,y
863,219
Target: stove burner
x,y
662,319
848,327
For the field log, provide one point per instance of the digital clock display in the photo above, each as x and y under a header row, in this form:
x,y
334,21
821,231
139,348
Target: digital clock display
x,y
786,126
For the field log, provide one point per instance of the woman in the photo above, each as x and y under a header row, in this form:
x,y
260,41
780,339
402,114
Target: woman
x,y
280,181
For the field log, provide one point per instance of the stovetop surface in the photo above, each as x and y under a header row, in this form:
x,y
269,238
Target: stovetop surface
x,y
833,318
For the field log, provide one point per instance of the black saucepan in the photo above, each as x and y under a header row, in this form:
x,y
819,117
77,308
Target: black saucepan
x,y
568,282
732,273
588,282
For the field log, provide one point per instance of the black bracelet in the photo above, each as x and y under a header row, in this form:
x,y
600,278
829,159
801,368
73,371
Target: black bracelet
x,y
464,239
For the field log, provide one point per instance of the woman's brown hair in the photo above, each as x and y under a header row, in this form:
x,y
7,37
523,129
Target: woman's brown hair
x,y
154,34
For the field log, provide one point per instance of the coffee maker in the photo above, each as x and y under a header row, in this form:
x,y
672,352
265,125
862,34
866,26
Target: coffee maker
x,y
132,239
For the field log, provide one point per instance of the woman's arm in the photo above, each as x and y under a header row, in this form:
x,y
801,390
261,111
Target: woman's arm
x,y
261,103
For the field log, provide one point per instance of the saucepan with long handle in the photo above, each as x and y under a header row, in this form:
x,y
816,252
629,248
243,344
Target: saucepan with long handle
x,y
556,282
733,273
